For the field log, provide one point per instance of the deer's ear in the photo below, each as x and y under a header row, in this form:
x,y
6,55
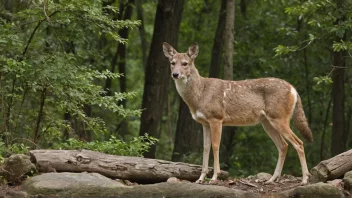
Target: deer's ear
x,y
169,51
193,51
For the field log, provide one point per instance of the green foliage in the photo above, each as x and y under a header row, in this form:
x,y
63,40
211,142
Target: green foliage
x,y
136,147
52,66
15,148
323,83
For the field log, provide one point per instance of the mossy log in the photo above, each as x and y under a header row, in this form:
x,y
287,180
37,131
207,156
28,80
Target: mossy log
x,y
137,169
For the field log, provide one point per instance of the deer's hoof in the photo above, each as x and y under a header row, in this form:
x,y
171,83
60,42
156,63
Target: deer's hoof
x,y
269,182
304,182
213,181
199,181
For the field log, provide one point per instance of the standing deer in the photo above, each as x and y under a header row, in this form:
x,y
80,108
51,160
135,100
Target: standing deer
x,y
215,102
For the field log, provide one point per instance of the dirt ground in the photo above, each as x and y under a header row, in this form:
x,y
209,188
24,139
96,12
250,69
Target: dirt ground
x,y
5,188
259,186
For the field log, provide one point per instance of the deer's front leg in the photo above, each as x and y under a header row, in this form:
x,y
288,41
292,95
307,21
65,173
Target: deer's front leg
x,y
215,133
206,150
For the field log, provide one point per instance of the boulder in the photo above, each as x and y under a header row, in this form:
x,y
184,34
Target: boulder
x,y
16,166
347,181
316,190
96,185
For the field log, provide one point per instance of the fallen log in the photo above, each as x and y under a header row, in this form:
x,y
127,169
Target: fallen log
x,y
137,169
332,168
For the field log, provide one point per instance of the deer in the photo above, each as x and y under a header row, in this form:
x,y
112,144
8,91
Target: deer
x,y
214,103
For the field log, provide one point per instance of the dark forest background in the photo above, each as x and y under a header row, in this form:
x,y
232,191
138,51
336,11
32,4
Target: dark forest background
x,y
92,74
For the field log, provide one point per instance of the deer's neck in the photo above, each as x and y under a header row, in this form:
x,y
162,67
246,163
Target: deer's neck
x,y
190,88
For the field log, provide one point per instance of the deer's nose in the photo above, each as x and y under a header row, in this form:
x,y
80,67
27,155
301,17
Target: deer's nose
x,y
175,75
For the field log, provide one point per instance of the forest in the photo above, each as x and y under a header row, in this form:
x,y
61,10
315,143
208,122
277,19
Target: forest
x,y
92,74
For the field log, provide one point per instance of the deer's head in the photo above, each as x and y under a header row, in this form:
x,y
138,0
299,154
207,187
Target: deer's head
x,y
181,64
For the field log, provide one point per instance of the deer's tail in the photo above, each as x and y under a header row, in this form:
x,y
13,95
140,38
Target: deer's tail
x,y
300,120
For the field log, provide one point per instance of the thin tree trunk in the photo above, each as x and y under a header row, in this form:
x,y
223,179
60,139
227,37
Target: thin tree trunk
x,y
322,142
2,101
166,28
144,43
308,87
8,113
86,134
338,143
113,64
228,132
122,64
188,138
66,133
216,53
229,39
40,115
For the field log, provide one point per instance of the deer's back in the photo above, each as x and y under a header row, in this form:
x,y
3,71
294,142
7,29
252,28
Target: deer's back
x,y
243,102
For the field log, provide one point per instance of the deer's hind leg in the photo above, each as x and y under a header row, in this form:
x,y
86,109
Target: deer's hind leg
x,y
281,146
283,126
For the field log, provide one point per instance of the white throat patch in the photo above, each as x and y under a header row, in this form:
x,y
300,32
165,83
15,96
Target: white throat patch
x,y
181,85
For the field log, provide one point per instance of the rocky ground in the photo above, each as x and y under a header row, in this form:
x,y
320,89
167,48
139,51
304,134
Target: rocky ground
x,y
96,185
19,170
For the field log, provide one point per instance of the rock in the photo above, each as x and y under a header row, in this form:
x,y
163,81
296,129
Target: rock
x,y
337,183
16,194
173,179
316,190
17,166
67,183
347,181
262,176
96,185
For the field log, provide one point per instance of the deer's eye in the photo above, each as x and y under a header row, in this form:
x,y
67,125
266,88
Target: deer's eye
x,y
173,63
184,64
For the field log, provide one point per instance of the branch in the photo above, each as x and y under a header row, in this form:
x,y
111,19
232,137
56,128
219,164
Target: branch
x,y
26,140
34,31
45,14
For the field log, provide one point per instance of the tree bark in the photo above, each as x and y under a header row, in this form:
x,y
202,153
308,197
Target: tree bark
x,y
40,115
216,53
135,169
228,132
338,143
229,39
188,138
332,168
114,59
166,28
123,130
144,43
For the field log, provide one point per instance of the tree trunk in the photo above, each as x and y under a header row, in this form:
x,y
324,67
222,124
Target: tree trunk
x,y
188,138
332,168
166,28
229,39
40,115
216,53
144,43
135,169
117,16
122,64
338,143
228,132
